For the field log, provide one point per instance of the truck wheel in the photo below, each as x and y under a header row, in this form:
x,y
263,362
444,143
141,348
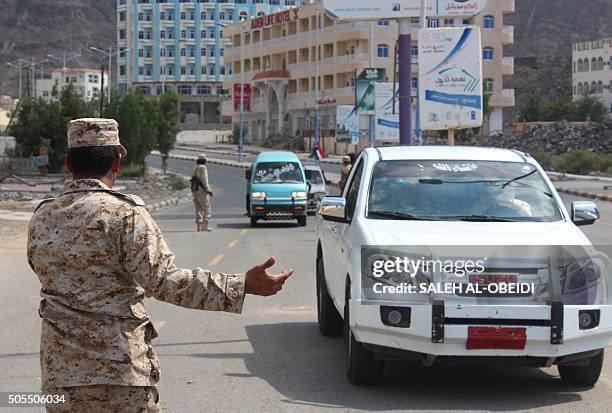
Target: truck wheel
x,y
253,221
329,320
361,365
302,221
583,375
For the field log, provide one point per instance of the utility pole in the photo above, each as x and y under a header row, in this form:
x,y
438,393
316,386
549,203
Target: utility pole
x,y
371,64
317,74
102,92
242,49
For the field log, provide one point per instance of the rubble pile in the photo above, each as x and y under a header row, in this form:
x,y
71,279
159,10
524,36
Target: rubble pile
x,y
558,138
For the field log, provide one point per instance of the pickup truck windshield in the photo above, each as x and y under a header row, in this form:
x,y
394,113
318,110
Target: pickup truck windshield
x,y
460,191
278,173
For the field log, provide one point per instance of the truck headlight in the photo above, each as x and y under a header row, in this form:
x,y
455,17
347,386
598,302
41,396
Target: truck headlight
x,y
258,196
299,195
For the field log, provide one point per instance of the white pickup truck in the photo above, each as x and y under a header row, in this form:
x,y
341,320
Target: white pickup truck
x,y
436,203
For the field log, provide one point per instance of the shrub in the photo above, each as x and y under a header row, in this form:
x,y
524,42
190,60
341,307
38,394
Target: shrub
x,y
582,162
178,183
132,171
546,159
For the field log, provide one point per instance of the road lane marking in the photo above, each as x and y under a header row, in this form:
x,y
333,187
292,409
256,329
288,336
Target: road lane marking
x,y
216,260
159,325
243,232
232,244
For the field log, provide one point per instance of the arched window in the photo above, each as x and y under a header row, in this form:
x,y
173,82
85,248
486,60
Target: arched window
x,y
243,15
488,85
261,13
383,50
600,87
574,67
488,53
610,65
600,64
579,66
593,87
593,65
577,89
488,22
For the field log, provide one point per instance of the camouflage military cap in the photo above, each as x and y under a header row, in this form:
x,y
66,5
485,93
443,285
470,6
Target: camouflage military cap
x,y
88,132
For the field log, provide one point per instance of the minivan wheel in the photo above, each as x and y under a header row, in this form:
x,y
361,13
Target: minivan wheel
x,y
361,365
302,221
329,320
583,375
253,221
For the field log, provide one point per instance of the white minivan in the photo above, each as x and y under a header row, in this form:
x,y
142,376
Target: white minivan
x,y
534,291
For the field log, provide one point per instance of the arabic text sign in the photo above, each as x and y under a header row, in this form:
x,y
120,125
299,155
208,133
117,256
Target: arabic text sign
x,y
450,78
386,122
397,9
365,89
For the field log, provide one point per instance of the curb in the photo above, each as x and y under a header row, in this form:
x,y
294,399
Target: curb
x,y
254,153
167,203
591,195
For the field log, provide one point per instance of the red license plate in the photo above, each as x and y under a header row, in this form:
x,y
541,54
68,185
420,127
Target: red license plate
x,y
509,338
493,278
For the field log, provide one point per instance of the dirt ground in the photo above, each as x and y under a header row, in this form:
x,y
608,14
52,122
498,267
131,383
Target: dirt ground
x,y
13,235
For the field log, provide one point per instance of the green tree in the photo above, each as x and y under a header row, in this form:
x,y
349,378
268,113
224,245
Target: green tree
x,y
590,108
533,109
167,125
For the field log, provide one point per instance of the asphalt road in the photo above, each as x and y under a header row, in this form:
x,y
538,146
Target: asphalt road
x,y
272,358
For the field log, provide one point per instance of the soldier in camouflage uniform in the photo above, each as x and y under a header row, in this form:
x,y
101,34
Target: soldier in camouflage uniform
x,y
345,171
98,254
202,194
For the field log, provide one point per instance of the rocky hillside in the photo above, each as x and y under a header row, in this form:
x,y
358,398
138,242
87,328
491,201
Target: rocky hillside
x,y
35,28
549,27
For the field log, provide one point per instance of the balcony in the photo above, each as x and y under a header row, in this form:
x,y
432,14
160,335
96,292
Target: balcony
x,y
507,99
508,35
507,66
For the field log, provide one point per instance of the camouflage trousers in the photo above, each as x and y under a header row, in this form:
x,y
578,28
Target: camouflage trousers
x,y
202,206
106,399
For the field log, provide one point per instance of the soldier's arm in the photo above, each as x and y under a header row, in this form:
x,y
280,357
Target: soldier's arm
x,y
203,175
147,258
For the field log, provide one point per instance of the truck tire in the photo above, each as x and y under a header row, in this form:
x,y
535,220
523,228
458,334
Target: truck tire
x,y
583,375
329,320
253,222
302,221
361,365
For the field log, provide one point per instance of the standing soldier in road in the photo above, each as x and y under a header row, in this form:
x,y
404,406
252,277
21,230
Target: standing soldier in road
x,y
98,254
345,171
201,194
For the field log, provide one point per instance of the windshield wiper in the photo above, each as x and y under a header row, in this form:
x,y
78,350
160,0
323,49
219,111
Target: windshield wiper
x,y
480,218
400,216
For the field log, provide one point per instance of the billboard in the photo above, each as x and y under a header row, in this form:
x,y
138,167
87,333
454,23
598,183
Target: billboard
x,y
386,123
365,91
398,9
247,97
450,78
347,124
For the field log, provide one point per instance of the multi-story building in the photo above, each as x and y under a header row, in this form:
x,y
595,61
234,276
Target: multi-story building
x,y
280,56
179,44
86,81
592,70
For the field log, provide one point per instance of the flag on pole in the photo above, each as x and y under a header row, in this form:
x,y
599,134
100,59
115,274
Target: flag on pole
x,y
318,152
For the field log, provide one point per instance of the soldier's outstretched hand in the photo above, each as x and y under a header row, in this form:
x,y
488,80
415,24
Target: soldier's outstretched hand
x,y
259,282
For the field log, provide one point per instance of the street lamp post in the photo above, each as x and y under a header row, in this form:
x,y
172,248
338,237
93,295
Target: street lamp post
x,y
64,58
110,55
242,47
317,74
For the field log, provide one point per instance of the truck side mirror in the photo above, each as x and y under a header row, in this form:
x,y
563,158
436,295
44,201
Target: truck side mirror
x,y
584,213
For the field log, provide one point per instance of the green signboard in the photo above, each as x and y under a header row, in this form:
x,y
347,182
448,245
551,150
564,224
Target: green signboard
x,y
365,90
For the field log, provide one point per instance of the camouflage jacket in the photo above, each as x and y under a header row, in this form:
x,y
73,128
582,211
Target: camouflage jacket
x,y
201,171
98,254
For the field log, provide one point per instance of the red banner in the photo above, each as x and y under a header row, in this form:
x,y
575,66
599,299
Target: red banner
x,y
247,97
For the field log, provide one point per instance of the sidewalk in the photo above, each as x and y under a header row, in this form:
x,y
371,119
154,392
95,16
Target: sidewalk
x,y
592,189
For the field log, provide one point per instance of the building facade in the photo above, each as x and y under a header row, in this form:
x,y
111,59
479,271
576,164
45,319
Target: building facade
x,y
280,55
179,44
86,81
592,70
